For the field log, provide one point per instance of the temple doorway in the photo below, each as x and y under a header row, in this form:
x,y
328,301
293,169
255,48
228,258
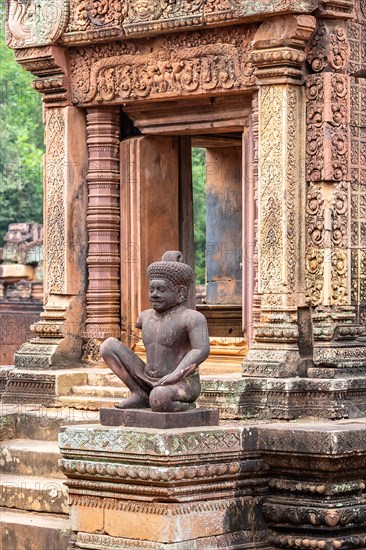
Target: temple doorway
x,y
160,210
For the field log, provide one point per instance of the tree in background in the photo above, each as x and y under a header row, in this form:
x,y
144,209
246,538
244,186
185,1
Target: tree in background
x,y
22,143
199,212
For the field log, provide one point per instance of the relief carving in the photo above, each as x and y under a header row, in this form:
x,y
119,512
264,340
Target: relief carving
x,y
142,16
327,117
270,201
329,48
315,215
35,23
314,276
190,63
95,14
339,262
55,201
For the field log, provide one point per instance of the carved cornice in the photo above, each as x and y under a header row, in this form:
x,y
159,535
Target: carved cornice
x,y
44,22
278,49
49,65
336,9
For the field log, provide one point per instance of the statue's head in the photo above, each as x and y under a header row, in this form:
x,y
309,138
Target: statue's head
x,y
169,281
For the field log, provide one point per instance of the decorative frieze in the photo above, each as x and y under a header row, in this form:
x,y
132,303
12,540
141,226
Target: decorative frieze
x,y
186,64
103,20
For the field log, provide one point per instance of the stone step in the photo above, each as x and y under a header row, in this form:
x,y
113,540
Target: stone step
x,y
38,422
37,494
25,530
30,457
103,377
88,403
101,391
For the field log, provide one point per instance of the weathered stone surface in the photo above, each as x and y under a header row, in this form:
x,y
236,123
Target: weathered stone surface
x,y
41,387
142,418
37,494
30,457
24,530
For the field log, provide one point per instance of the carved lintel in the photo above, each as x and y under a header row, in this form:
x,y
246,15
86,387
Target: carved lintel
x,y
187,64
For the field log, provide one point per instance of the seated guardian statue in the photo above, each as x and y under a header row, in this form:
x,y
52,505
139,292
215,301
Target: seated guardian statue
x,y
176,342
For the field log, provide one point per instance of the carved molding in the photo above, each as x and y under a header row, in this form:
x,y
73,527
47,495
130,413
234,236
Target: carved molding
x,y
100,20
183,65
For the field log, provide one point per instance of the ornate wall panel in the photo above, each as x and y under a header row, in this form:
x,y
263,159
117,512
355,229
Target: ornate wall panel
x,y
279,172
55,238
182,65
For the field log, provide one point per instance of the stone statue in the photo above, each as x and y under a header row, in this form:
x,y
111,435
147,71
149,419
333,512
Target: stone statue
x,y
176,342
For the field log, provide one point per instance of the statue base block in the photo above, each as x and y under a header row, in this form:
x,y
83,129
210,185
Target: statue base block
x,y
140,488
146,418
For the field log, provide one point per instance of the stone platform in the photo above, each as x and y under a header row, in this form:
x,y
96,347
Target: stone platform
x,y
263,486
146,418
177,489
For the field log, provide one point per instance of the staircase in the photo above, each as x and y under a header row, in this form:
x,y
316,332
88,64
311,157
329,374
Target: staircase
x,y
33,498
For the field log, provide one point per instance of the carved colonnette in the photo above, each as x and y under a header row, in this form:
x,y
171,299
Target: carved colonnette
x,y
103,217
279,72
57,336
334,165
164,489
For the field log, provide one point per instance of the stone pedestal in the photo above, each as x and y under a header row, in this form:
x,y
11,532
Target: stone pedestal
x,y
189,488
317,485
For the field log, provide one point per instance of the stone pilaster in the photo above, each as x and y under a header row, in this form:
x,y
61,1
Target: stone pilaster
x,y
58,336
332,206
103,223
279,56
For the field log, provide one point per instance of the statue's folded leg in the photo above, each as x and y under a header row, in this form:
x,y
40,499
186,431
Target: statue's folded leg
x,y
130,369
176,397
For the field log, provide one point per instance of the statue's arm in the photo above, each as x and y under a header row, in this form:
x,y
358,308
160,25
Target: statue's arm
x,y
200,349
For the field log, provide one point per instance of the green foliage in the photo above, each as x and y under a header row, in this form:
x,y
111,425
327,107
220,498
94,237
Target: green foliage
x,y
199,212
22,147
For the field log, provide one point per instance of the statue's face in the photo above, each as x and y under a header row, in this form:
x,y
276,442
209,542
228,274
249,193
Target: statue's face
x,y
161,296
